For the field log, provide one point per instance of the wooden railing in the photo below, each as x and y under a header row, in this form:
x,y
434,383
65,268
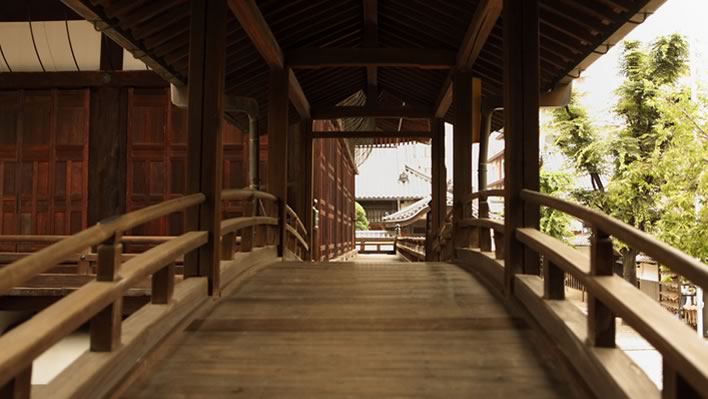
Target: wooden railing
x,y
685,355
364,243
296,235
99,302
411,248
488,230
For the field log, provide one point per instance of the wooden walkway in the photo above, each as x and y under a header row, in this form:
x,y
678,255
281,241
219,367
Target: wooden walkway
x,y
355,330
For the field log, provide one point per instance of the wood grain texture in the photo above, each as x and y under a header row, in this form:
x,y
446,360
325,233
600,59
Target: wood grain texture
x,y
308,330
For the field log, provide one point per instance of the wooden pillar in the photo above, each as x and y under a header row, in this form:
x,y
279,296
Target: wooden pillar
x,y
438,203
278,146
204,151
467,101
485,239
521,152
309,187
108,143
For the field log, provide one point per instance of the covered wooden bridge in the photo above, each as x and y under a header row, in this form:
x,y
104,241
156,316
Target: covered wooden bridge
x,y
237,309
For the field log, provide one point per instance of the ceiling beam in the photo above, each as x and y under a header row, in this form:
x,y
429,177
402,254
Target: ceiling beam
x,y
558,97
308,58
371,134
76,80
478,31
366,112
371,39
122,38
257,29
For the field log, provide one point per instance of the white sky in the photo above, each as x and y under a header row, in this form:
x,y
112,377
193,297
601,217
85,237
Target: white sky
x,y
602,78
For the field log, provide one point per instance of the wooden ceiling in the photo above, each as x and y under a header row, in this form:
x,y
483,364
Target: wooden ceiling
x,y
463,33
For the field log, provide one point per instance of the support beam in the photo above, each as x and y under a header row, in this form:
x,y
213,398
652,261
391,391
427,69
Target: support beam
x,y
79,80
111,55
370,134
438,203
468,95
278,146
485,239
312,58
521,132
204,147
257,29
378,112
478,31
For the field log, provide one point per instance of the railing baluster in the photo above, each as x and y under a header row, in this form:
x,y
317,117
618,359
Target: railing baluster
x,y
106,325
498,245
553,280
249,208
163,285
601,320
227,246
19,387
675,386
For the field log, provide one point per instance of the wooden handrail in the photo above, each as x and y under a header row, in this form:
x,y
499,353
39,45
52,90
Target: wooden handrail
x,y
48,257
15,238
295,217
30,339
689,267
234,224
241,194
485,193
297,236
496,225
673,339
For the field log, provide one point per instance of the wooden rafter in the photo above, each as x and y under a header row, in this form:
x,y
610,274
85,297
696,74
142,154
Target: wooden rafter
x,y
371,134
481,25
371,27
257,29
377,112
75,79
360,57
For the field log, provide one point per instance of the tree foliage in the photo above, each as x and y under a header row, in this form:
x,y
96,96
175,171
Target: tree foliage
x,y
362,222
655,164
553,222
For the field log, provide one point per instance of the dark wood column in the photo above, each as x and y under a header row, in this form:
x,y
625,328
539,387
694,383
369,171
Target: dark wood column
x,y
308,188
485,239
278,145
204,151
108,132
438,208
466,100
521,130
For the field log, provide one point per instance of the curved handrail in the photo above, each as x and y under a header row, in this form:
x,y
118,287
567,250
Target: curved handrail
x,y
682,263
295,217
496,225
233,224
31,338
297,235
240,194
24,269
483,193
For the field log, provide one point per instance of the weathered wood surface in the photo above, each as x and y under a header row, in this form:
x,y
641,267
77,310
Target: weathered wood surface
x,y
302,330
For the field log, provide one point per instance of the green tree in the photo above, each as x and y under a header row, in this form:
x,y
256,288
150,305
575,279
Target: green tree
x,y
553,222
362,223
634,190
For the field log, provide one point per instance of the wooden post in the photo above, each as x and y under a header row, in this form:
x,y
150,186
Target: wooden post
x,y
163,285
278,147
521,154
204,151
485,239
19,387
601,320
106,324
465,91
438,203
553,281
227,245
309,187
247,234
675,386
108,140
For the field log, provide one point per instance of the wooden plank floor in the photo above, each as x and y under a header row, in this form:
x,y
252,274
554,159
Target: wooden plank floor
x,y
354,330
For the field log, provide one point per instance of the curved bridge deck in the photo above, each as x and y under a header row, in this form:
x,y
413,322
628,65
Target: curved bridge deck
x,y
327,330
